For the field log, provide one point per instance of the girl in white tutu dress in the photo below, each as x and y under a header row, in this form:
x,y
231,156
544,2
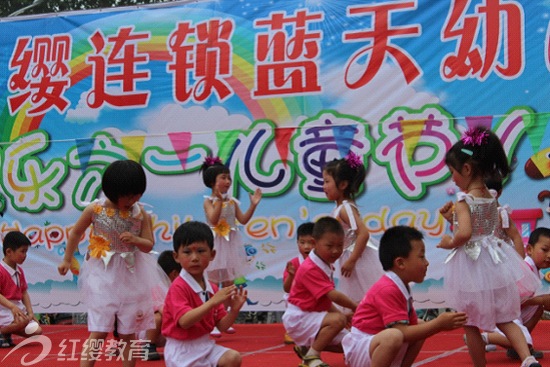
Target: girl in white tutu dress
x,y
118,274
222,215
359,267
484,276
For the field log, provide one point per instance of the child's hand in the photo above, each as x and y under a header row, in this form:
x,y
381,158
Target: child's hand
x,y
451,320
224,294
447,211
255,199
347,268
290,269
63,267
19,315
446,242
128,237
238,299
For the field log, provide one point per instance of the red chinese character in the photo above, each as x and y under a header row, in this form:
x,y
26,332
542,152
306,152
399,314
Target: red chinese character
x,y
201,55
42,74
380,43
286,63
470,59
123,57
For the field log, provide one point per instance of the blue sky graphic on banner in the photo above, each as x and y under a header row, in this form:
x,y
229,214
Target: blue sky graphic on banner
x,y
276,89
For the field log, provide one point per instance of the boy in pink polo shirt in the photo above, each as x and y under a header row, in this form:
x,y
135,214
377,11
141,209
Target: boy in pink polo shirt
x,y
311,318
304,239
385,329
15,303
193,305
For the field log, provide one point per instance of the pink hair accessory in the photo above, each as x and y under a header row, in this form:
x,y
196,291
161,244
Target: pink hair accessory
x,y
353,160
210,161
475,136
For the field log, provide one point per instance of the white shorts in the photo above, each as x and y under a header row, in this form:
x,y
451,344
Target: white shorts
x,y
6,316
201,352
356,346
303,326
130,316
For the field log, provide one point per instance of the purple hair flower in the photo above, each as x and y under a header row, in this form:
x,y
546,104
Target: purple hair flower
x,y
353,160
210,161
475,136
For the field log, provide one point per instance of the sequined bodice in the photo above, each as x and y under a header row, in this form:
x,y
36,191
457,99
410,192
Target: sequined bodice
x,y
484,215
109,223
228,214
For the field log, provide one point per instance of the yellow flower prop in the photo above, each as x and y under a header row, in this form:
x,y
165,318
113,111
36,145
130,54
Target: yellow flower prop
x,y
75,266
222,229
98,246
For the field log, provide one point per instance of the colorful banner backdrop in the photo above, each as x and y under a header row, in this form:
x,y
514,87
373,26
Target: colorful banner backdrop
x,y
276,89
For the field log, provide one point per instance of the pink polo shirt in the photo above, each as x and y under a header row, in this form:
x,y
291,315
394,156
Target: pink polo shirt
x,y
8,286
312,282
184,295
386,303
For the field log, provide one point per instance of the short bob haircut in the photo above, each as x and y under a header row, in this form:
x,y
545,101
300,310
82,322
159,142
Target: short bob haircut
x,y
123,178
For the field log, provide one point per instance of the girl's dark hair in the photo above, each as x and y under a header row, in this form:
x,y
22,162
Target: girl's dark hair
x,y
123,178
487,157
211,170
341,171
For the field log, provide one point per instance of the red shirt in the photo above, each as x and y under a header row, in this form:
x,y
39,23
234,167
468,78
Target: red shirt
x,y
386,303
8,287
183,296
312,282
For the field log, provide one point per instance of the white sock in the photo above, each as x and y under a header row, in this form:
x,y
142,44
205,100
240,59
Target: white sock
x,y
312,352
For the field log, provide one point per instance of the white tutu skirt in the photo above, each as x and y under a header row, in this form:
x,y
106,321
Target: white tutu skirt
x,y
489,292
367,271
115,284
230,261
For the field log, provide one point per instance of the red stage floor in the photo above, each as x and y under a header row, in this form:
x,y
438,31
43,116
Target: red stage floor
x,y
260,345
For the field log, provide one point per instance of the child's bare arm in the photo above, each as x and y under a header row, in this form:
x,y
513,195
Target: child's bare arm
x,y
254,201
341,299
464,231
145,241
447,211
515,236
18,314
287,283
75,235
26,300
445,321
360,243
213,210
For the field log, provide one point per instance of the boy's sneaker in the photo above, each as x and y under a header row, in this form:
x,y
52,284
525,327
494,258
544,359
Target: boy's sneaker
x,y
530,362
151,353
216,333
231,330
5,341
490,347
512,354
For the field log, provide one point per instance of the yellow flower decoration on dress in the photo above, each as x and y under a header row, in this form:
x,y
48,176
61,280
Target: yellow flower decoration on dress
x,y
98,246
222,229
124,214
110,212
98,209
